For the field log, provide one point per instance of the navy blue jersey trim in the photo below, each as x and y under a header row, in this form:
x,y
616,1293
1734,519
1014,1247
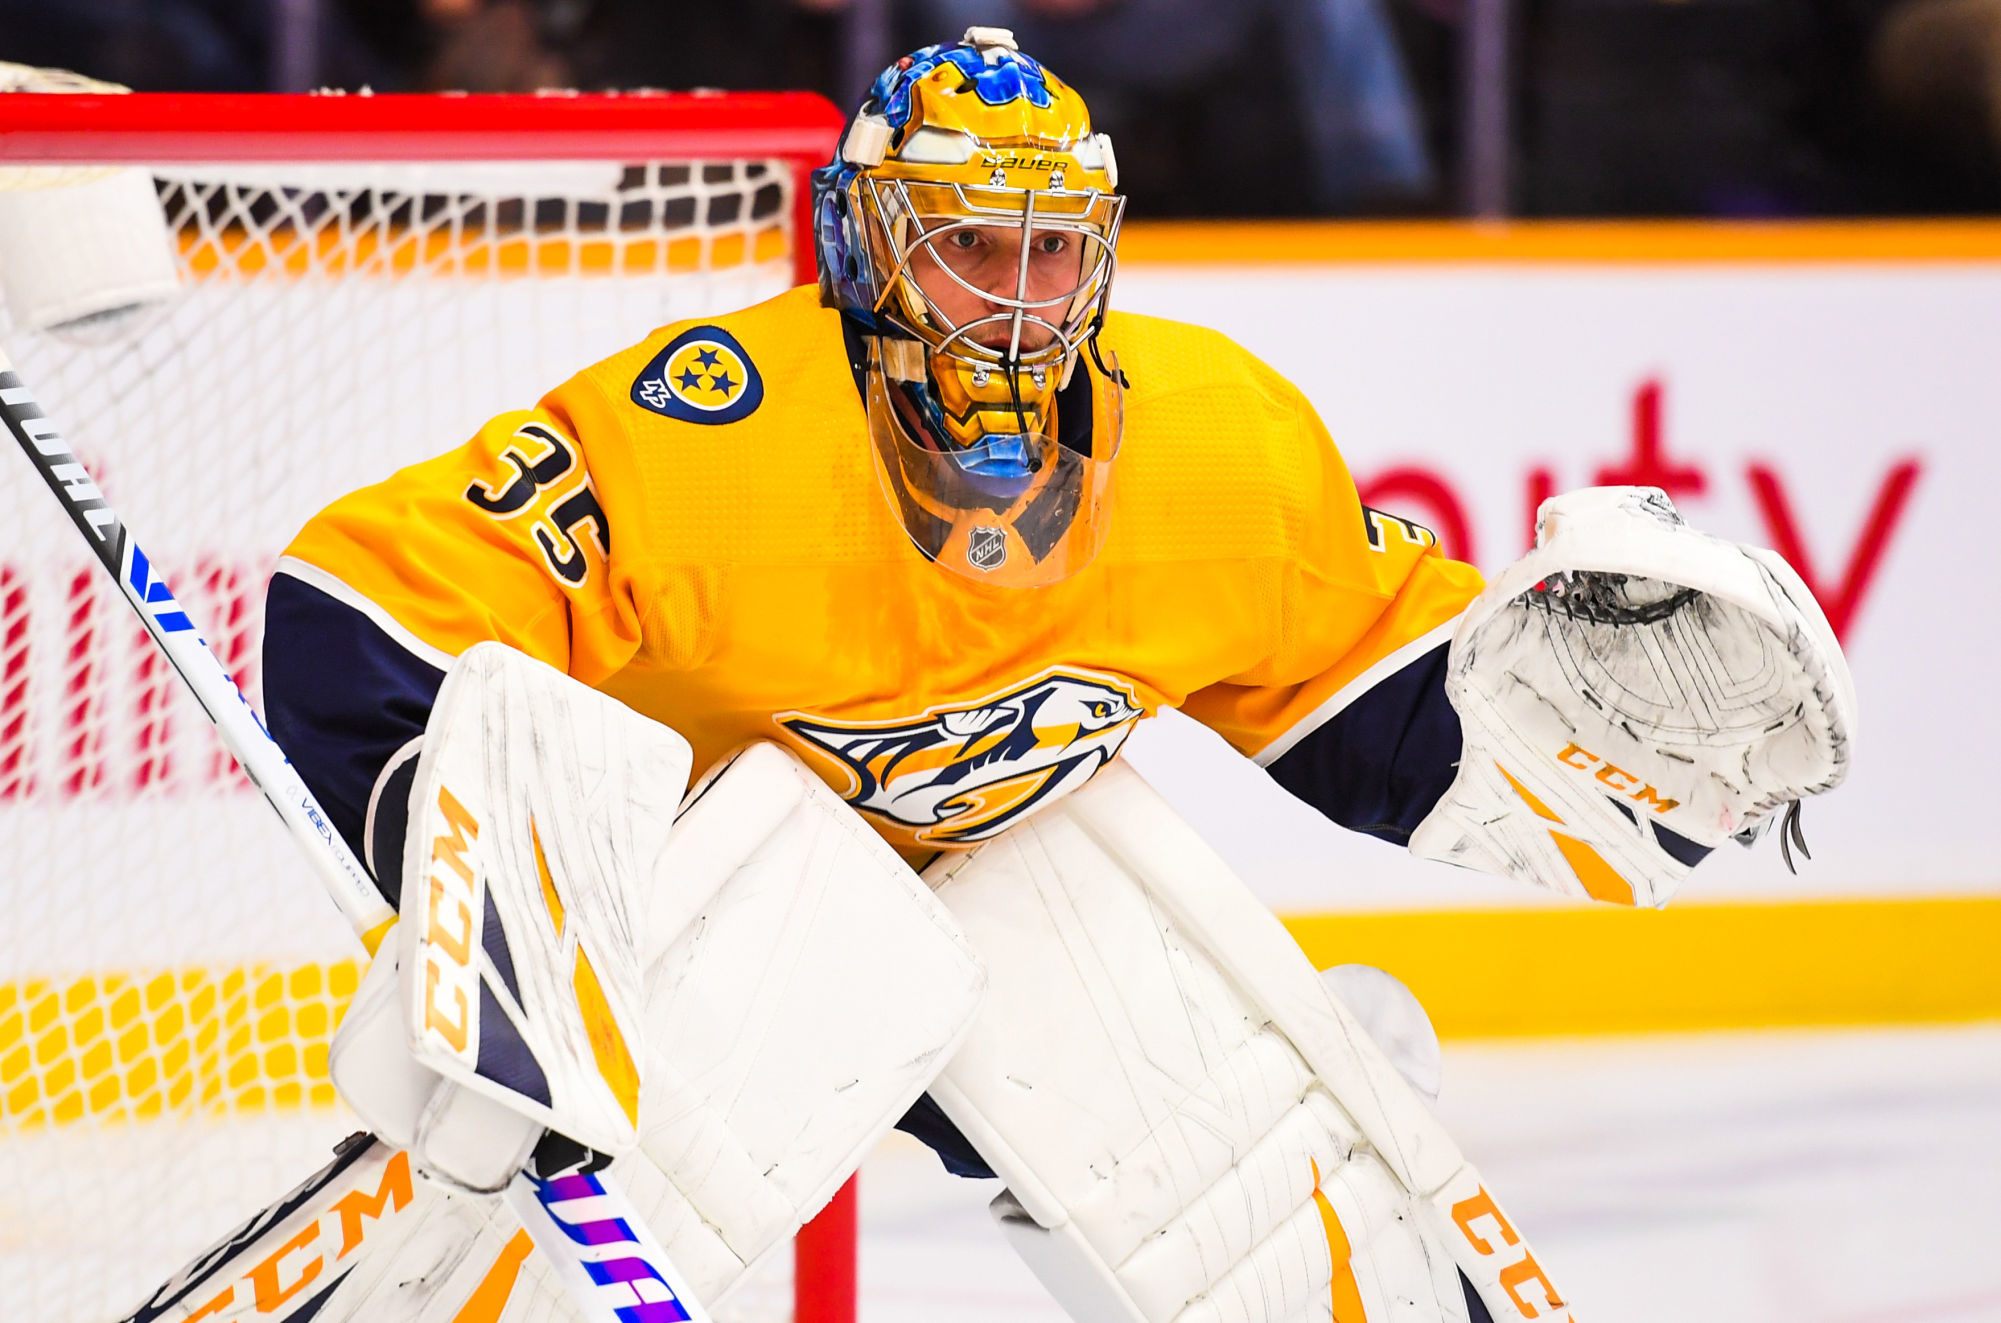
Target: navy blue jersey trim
x,y
1381,763
927,1121
342,697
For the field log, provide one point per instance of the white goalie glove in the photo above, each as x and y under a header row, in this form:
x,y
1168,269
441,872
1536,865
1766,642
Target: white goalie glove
x,y
1632,694
508,999
688,1002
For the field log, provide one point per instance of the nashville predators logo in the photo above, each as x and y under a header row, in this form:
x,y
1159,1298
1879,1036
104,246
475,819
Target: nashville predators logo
x,y
959,775
702,376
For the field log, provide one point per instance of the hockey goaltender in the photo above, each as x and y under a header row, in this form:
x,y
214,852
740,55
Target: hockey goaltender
x,y
893,566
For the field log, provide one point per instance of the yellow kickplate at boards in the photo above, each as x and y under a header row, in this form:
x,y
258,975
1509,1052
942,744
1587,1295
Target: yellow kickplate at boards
x,y
1598,969
133,1045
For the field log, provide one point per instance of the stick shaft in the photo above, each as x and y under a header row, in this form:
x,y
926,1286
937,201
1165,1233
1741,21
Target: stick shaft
x,y
151,600
636,1282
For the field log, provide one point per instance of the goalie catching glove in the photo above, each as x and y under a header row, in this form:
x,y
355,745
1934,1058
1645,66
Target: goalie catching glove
x,y
1632,694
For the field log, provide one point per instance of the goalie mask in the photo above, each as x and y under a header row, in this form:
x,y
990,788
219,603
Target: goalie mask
x,y
966,228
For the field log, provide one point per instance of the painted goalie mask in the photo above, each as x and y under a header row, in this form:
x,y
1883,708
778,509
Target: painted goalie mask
x,y
966,228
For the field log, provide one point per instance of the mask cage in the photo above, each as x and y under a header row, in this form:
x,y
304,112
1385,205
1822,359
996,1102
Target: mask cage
x,y
905,215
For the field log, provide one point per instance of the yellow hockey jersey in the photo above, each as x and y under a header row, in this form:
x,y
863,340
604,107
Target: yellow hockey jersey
x,y
696,526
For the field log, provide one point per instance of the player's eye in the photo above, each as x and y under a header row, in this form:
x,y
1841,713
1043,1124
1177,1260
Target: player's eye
x,y
1051,243
963,239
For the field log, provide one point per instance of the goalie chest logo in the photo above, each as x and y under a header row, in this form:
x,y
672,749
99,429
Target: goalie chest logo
x,y
956,776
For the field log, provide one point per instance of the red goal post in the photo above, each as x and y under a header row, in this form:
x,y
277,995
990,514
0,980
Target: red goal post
x,y
357,282
148,128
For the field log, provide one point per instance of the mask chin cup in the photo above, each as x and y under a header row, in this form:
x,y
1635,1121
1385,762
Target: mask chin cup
x,y
1003,459
1019,510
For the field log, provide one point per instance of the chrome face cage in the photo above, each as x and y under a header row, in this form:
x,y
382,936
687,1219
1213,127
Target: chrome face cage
x,y
893,205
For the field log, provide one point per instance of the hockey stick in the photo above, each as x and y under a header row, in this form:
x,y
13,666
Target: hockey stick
x,y
609,1262
147,594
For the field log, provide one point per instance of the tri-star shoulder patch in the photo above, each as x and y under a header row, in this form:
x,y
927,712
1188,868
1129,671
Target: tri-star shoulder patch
x,y
702,376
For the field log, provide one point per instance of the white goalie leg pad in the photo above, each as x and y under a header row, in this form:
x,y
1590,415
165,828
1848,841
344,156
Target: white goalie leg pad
x,y
538,818
363,1238
1191,1126
1633,693
805,989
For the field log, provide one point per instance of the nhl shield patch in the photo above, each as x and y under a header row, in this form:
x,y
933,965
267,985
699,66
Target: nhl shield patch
x,y
986,548
702,376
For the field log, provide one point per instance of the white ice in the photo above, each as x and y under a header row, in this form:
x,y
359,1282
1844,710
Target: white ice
x,y
1799,1177
1796,1177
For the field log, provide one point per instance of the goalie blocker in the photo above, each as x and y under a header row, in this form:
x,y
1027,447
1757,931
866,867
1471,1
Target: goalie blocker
x,y
721,974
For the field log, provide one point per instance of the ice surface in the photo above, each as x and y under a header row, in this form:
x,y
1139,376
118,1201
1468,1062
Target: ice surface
x,y
1797,1177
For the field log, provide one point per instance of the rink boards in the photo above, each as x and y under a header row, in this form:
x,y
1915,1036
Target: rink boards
x,y
1826,389
1829,390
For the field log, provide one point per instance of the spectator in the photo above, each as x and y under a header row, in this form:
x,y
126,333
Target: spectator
x,y
491,46
742,46
179,45
1937,72
150,45
1230,107
463,45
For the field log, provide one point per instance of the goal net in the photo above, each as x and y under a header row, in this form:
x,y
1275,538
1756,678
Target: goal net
x,y
346,284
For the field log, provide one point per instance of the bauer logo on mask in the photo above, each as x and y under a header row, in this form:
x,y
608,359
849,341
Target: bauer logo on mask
x,y
959,775
702,376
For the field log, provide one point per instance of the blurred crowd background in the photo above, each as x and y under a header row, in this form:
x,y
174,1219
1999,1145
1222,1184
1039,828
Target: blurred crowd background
x,y
1720,108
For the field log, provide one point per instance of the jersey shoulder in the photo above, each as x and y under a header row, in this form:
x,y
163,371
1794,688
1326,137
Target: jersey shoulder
x,y
1161,356
1210,426
732,438
750,370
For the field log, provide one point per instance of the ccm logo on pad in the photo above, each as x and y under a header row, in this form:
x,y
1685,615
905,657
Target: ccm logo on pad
x,y
451,981
1524,1270
300,1261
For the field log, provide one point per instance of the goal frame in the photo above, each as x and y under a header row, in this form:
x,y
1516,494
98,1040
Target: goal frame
x,y
799,129
166,128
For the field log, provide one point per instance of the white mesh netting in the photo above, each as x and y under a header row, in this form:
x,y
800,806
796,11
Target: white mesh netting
x,y
169,972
